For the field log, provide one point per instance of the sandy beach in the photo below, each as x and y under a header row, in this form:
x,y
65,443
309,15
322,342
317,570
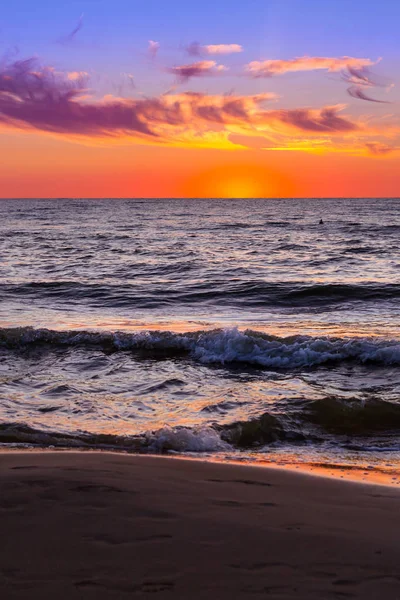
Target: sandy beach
x,y
99,525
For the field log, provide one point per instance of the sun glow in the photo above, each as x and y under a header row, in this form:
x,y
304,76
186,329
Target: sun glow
x,y
240,187
238,181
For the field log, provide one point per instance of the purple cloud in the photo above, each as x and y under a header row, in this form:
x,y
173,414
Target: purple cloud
x,y
36,96
357,92
361,78
194,49
324,120
197,69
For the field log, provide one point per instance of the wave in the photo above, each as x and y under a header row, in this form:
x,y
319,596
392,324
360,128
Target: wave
x,y
354,415
225,291
343,292
219,346
311,421
178,439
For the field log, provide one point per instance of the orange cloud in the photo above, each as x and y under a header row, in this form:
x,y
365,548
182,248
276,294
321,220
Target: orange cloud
x,y
269,68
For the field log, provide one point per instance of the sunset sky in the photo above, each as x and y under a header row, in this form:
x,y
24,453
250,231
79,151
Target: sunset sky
x,y
222,98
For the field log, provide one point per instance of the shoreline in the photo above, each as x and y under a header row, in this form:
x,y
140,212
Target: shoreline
x,y
354,474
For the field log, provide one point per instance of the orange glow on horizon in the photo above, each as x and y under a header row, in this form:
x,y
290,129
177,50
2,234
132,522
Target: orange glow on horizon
x,y
44,167
238,181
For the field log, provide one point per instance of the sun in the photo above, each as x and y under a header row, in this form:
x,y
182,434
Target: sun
x,y
239,186
238,181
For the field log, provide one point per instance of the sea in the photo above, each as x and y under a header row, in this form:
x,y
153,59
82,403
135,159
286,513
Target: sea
x,y
233,330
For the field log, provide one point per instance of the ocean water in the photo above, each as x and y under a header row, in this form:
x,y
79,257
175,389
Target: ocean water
x,y
232,329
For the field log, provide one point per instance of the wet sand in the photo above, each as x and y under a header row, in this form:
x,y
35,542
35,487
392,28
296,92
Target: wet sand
x,y
105,526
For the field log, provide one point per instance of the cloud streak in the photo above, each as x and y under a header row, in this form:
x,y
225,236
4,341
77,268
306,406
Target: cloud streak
x,y
361,78
70,37
270,68
196,49
223,49
358,92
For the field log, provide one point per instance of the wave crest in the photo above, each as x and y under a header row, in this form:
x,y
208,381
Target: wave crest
x,y
221,346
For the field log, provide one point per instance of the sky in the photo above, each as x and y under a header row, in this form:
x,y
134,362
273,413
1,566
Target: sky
x,y
222,98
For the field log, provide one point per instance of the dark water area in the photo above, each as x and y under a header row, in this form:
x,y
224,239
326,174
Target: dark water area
x,y
237,329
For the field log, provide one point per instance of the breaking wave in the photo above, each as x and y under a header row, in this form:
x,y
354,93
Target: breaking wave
x,y
219,346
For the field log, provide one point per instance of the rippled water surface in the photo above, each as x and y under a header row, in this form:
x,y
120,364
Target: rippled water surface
x,y
242,328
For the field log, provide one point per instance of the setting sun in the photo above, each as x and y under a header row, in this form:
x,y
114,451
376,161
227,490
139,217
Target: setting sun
x,y
238,181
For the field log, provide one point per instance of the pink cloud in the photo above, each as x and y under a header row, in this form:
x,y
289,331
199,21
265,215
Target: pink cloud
x,y
196,49
222,49
353,70
269,68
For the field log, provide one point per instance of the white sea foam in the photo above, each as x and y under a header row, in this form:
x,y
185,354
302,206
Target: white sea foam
x,y
185,439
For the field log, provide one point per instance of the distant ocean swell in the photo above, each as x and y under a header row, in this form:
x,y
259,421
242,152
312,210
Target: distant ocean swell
x,y
220,346
226,291
347,422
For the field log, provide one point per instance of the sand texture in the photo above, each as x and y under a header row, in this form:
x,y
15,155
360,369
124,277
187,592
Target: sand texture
x,y
106,526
